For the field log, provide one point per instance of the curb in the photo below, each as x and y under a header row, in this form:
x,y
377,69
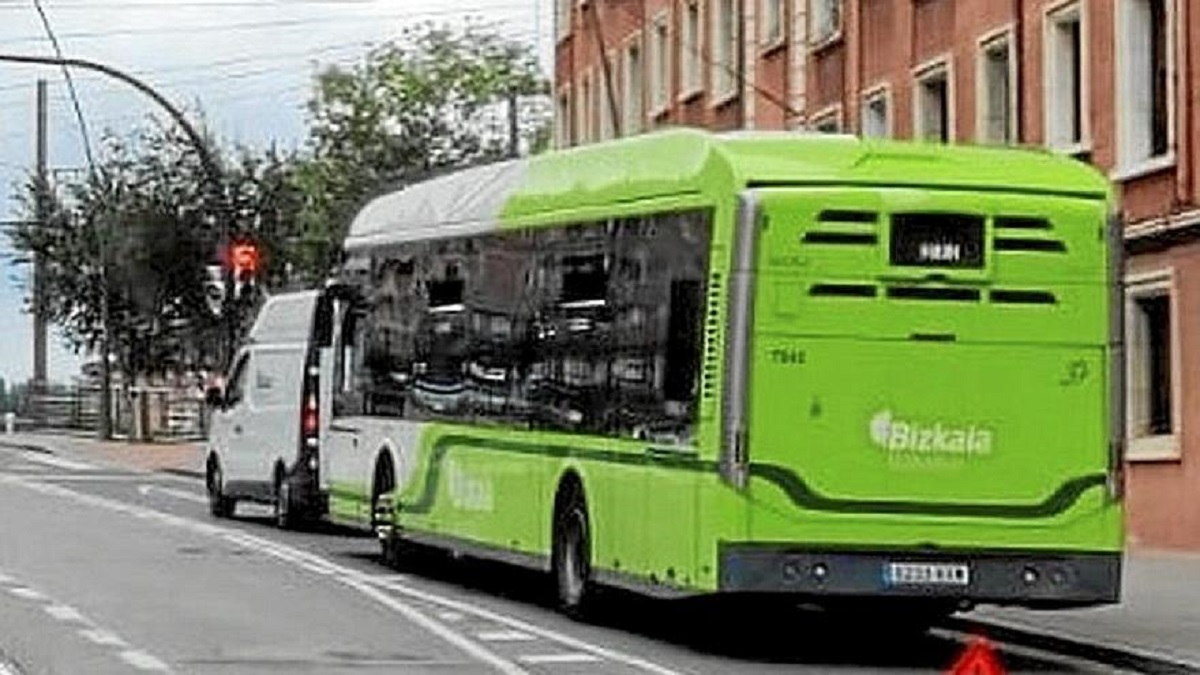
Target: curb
x,y
1133,658
186,473
27,447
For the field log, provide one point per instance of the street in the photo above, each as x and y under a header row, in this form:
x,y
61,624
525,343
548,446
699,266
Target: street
x,y
119,571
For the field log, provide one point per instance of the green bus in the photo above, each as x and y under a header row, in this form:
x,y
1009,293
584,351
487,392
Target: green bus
x,y
756,365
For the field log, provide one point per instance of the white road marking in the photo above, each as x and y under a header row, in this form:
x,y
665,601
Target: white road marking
x,y
57,462
145,490
103,638
366,584
143,661
504,636
26,593
65,613
451,617
5,579
534,659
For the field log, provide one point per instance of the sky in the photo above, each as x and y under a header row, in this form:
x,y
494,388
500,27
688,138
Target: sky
x,y
247,63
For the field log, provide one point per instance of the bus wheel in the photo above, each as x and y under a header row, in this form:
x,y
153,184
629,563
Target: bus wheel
x,y
572,555
218,504
284,515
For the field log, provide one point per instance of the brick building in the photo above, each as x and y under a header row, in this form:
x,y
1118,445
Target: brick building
x,y
1113,82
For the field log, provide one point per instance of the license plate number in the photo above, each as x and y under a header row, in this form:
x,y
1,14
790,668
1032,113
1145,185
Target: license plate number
x,y
927,574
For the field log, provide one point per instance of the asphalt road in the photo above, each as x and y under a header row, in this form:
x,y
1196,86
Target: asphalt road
x,y
109,571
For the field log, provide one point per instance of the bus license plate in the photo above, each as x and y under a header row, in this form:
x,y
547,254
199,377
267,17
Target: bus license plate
x,y
927,574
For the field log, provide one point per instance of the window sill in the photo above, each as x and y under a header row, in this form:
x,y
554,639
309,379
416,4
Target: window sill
x,y
771,47
720,100
1144,168
1150,449
1072,149
822,44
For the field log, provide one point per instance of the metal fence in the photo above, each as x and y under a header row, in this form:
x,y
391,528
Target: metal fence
x,y
141,412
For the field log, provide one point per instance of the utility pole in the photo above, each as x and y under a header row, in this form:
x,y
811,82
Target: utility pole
x,y
514,126
39,271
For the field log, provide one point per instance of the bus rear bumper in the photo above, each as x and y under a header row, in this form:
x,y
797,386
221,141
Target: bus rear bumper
x,y
1030,578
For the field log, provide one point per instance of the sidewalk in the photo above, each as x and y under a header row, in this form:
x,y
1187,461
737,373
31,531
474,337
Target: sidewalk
x,y
1159,614
184,458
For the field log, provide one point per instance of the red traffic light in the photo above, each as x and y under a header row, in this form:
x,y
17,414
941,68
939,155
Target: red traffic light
x,y
244,258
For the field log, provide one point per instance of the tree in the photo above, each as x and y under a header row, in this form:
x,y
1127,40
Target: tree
x,y
137,234
434,100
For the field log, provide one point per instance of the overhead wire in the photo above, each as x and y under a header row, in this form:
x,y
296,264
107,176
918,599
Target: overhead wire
x,y
83,130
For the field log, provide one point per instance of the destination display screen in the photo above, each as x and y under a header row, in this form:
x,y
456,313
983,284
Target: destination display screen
x,y
937,240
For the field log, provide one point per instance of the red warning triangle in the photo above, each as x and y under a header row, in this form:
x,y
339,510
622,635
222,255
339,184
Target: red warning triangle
x,y
978,659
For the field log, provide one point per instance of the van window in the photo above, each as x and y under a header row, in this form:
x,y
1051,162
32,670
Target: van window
x,y
235,388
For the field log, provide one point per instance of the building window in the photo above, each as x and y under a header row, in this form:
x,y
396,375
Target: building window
x,y
562,120
827,121
996,106
826,20
1153,368
586,107
605,101
562,17
660,65
725,41
772,22
633,89
689,47
1144,62
876,114
934,107
1066,79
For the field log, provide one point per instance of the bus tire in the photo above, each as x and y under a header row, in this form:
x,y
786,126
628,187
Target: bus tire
x,y
219,505
383,482
571,554
284,509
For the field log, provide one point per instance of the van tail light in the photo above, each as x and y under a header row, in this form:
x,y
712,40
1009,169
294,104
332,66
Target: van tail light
x,y
311,416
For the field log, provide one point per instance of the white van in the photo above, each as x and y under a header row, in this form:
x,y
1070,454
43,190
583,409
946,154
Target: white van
x,y
267,421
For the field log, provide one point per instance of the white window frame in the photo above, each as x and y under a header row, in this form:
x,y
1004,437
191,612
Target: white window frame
x,y
774,14
660,72
583,111
607,129
562,18
941,65
829,113
882,92
816,8
987,43
633,113
723,70
1052,16
563,117
1163,447
691,71
1127,164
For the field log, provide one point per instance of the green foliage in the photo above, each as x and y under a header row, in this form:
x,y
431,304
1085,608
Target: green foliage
x,y
433,100
138,232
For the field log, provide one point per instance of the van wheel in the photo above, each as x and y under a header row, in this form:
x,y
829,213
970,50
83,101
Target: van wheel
x,y
219,505
572,555
284,515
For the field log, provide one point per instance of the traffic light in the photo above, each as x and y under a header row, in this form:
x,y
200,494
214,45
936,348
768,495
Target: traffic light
x,y
244,260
